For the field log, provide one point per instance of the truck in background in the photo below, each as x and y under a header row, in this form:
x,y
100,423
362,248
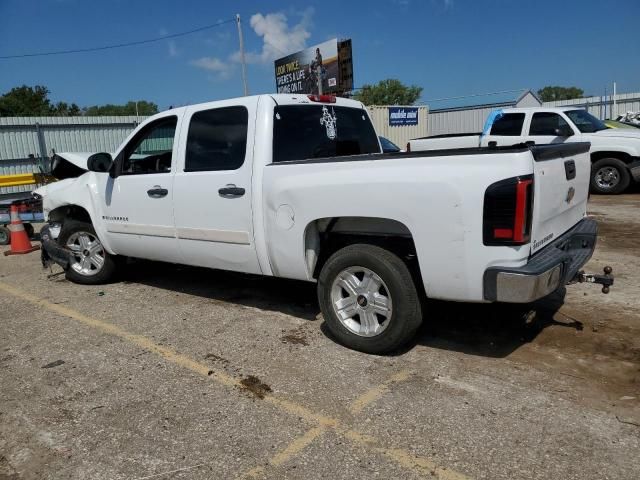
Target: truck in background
x,y
615,153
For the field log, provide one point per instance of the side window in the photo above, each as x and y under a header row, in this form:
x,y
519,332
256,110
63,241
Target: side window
x,y
547,123
150,151
508,124
217,139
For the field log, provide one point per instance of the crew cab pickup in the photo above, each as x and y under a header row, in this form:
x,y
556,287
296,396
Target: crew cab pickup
x,y
297,187
615,153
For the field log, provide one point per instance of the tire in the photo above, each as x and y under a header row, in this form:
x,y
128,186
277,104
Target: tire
x,y
5,235
28,228
384,284
609,176
80,237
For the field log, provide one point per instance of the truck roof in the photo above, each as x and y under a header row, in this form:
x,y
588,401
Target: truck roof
x,y
282,99
541,109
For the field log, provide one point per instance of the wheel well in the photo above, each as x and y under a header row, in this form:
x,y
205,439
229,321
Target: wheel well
x,y
74,212
595,156
325,236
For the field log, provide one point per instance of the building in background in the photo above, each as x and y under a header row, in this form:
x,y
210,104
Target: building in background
x,y
468,114
399,123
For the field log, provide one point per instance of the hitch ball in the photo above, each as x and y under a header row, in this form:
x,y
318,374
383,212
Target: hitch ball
x,y
608,270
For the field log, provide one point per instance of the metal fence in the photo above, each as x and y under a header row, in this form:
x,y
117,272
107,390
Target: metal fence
x,y
603,107
27,143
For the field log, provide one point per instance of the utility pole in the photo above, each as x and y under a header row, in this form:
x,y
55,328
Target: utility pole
x,y
614,114
244,64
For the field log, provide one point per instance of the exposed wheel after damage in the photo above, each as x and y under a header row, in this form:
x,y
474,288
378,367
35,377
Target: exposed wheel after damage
x,y
609,176
369,299
90,264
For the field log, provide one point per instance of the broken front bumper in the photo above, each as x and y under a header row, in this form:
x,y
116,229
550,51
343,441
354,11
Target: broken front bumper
x,y
555,265
51,250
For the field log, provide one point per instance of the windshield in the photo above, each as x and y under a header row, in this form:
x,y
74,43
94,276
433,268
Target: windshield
x,y
585,122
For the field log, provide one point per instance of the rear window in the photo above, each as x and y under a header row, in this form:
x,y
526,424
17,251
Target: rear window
x,y
508,124
304,132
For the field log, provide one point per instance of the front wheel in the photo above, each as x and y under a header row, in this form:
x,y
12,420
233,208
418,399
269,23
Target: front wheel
x,y
369,299
609,176
90,263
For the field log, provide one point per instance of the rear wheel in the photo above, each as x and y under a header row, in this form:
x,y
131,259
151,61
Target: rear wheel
x,y
90,263
368,299
609,176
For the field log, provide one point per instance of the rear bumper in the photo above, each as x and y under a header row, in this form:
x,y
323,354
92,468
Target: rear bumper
x,y
553,266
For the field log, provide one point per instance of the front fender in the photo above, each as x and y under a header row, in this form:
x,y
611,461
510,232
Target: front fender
x,y
81,192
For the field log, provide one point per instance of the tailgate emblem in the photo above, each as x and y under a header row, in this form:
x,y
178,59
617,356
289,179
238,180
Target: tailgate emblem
x,y
570,194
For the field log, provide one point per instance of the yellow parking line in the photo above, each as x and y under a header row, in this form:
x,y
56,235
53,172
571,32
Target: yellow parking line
x,y
375,393
419,465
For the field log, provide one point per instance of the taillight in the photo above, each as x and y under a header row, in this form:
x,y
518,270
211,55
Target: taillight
x,y
322,98
508,208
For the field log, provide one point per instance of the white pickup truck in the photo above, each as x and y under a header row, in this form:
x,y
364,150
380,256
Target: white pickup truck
x,y
615,153
297,187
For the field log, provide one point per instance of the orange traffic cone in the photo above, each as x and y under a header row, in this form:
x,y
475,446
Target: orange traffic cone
x,y
19,239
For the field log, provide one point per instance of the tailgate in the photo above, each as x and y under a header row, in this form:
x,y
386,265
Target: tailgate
x,y
561,190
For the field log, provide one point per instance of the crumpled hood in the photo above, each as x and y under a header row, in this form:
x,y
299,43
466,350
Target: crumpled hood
x,y
69,164
618,133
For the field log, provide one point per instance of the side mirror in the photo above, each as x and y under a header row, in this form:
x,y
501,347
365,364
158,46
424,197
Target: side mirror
x,y
100,162
563,132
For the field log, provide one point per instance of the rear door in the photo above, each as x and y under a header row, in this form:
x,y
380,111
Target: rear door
x,y
506,130
561,190
212,186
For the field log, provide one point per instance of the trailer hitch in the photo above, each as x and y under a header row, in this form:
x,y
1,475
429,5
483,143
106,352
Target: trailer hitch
x,y
605,280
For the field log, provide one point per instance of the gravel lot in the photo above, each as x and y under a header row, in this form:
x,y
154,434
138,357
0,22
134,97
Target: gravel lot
x,y
186,373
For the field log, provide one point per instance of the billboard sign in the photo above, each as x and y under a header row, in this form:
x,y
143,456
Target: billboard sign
x,y
300,71
400,116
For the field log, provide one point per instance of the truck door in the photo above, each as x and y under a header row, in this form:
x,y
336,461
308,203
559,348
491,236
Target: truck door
x,y
549,127
506,130
212,187
135,206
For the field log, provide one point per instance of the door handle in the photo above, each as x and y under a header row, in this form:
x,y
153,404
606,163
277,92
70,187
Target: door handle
x,y
231,191
157,192
529,143
570,169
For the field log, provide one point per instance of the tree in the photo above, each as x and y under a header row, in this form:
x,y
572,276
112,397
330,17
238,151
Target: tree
x,y
34,101
144,108
388,92
62,109
552,93
26,101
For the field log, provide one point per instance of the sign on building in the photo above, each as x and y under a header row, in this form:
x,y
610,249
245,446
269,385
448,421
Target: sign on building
x,y
328,64
399,116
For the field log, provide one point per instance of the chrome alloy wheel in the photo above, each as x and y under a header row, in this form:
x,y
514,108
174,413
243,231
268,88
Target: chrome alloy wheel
x,y
607,178
87,252
361,301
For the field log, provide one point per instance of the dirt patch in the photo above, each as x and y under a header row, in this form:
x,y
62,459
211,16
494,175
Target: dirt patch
x,y
7,472
619,236
254,386
217,359
295,337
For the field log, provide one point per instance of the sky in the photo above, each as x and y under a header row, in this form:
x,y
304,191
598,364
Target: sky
x,y
449,47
